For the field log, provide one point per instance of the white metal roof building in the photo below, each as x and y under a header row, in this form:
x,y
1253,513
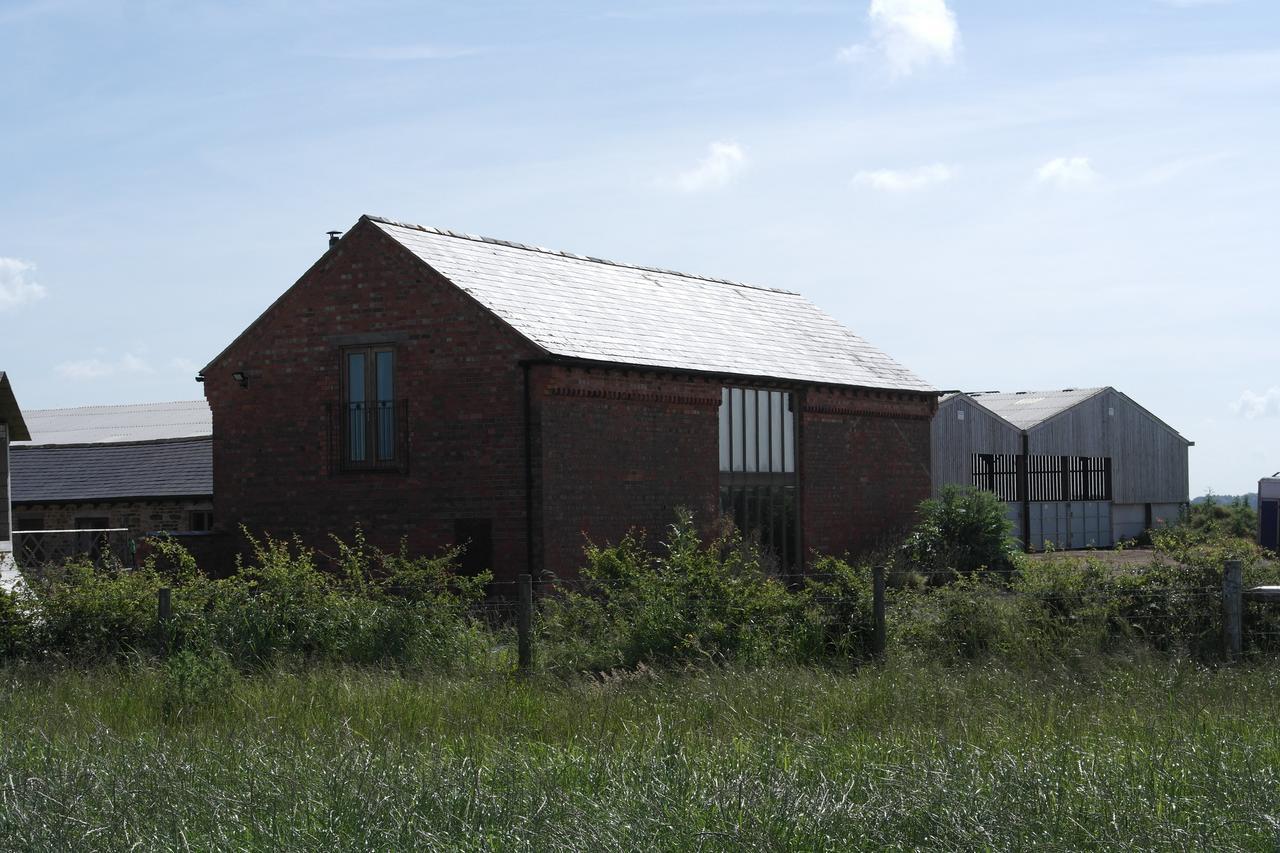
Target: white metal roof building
x,y
1079,467
142,467
120,423
1269,512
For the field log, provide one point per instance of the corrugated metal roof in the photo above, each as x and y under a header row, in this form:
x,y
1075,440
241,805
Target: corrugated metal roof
x,y
108,472
581,307
1026,409
111,424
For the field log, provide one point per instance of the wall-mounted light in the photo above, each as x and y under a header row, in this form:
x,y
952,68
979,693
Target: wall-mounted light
x,y
241,378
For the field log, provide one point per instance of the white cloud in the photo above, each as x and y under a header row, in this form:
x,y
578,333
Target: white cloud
x,y
722,164
904,180
16,285
97,368
909,35
1068,173
1252,405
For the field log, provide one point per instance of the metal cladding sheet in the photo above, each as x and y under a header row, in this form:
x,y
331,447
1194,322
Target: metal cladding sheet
x,y
134,422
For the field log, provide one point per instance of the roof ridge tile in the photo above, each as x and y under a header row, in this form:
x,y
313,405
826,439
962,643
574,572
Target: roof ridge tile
x,y
478,238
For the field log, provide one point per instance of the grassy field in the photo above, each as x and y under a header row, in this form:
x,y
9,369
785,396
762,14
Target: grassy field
x,y
1116,755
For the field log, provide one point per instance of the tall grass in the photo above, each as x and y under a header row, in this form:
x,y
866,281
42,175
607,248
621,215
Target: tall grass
x,y
1145,754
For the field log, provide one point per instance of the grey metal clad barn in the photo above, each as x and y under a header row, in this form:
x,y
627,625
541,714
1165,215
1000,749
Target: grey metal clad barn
x,y
1079,468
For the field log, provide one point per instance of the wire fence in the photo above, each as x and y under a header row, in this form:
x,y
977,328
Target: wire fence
x,y
865,612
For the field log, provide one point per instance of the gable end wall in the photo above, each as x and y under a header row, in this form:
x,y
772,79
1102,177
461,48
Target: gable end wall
x,y
457,366
1149,462
954,441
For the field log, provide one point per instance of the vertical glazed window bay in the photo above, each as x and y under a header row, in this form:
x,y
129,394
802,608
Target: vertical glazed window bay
x,y
370,424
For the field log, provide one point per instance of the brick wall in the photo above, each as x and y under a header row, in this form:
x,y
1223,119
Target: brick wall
x,y
864,466
621,450
457,366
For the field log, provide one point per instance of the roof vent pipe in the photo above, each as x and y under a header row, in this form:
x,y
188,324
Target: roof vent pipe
x,y
333,238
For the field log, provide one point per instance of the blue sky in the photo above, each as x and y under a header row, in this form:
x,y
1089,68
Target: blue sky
x,y
1002,195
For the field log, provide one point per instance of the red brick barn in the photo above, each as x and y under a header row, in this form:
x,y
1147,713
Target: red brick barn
x,y
449,388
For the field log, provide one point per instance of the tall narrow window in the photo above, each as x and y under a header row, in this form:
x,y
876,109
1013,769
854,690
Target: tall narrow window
x,y
757,470
369,407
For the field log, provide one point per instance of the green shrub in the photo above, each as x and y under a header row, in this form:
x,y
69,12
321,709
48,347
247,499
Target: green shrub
x,y
962,531
1211,519
379,607
15,625
837,619
92,614
968,618
688,602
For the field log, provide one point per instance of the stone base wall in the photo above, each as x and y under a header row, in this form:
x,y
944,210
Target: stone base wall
x,y
174,516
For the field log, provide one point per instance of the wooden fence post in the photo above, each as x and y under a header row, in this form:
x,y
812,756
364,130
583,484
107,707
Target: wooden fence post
x,y
1232,610
877,610
164,612
524,622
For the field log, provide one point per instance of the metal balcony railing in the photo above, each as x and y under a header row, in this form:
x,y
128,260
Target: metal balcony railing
x,y
372,435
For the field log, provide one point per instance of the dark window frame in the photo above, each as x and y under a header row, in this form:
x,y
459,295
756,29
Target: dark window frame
x,y
371,431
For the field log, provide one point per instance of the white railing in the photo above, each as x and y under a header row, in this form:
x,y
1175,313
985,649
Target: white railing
x,y
37,550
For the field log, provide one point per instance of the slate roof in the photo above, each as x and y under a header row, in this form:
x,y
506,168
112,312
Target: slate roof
x,y
587,308
111,472
125,423
1027,409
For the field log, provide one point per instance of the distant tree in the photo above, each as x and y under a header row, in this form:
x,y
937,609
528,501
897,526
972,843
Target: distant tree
x,y
1233,517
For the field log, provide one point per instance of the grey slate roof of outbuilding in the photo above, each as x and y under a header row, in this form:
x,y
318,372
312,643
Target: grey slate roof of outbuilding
x,y
586,308
1027,409
112,472
123,423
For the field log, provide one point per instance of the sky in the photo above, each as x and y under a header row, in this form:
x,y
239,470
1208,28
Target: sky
x,y
1002,194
